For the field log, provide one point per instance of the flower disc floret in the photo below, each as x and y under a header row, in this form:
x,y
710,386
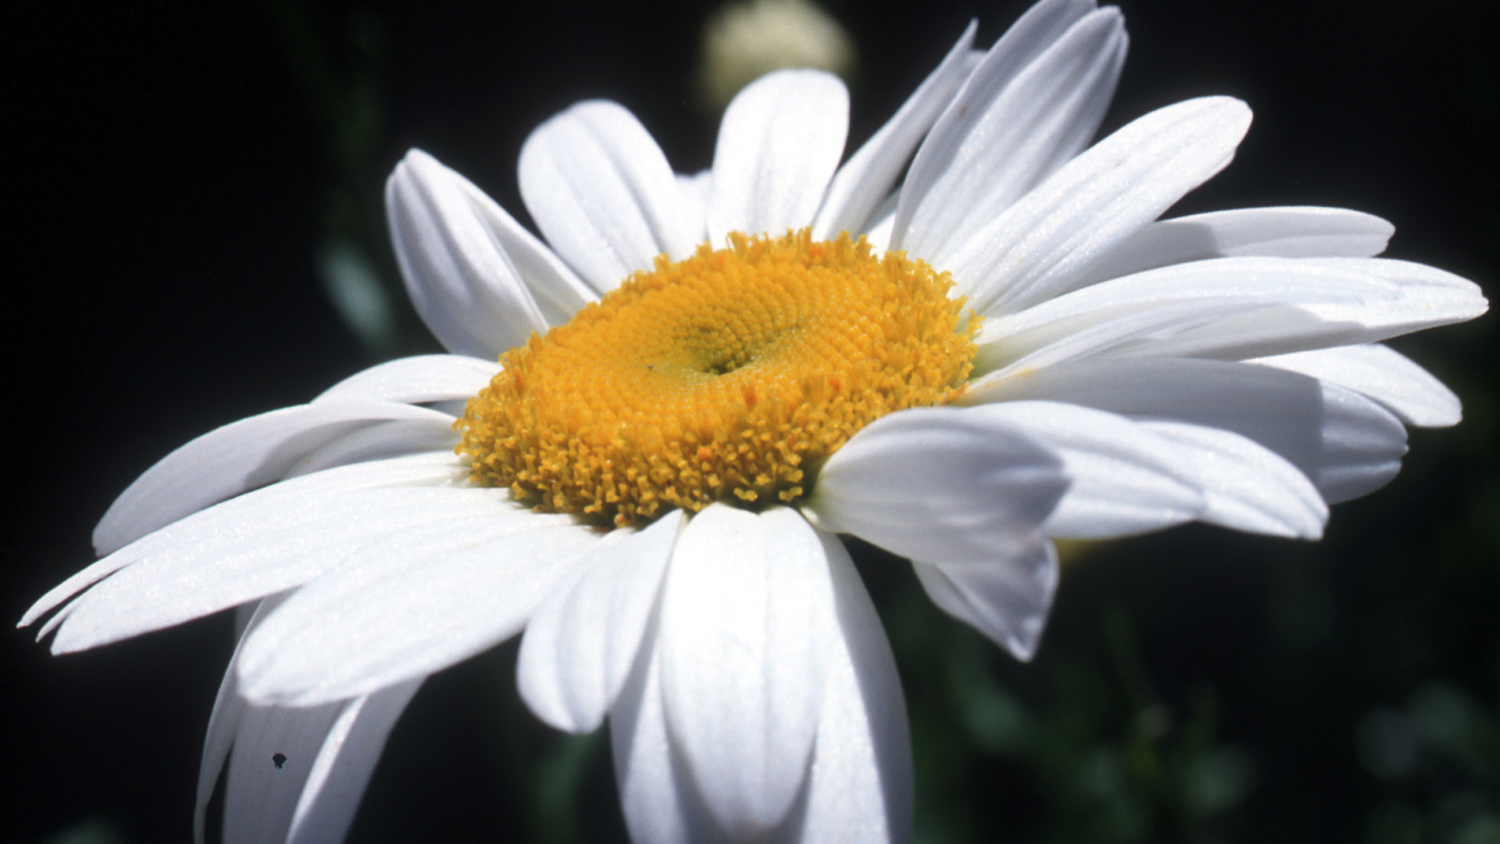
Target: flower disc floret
x,y
729,376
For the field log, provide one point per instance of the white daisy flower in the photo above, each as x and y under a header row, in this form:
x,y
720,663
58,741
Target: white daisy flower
x,y
704,384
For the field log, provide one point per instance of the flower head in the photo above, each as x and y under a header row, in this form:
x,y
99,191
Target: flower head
x,y
654,427
731,376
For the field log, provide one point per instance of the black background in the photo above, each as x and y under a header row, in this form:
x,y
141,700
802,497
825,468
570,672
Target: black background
x,y
164,191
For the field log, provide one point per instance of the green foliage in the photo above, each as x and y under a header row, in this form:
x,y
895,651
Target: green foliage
x,y
1106,757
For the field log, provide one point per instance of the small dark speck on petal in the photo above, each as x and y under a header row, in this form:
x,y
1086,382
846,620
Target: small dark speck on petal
x,y
278,759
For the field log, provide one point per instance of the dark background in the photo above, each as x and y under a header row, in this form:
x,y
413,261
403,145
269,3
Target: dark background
x,y
173,174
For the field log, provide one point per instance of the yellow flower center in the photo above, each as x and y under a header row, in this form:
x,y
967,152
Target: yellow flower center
x,y
730,376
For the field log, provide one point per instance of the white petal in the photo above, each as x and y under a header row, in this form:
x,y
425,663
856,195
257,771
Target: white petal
x,y
1107,332
224,719
1292,232
939,482
694,193
1041,119
602,193
1368,299
1344,442
290,505
57,619
381,440
871,172
879,234
1245,485
1234,308
1006,598
779,143
208,564
345,762
327,756
746,618
459,278
657,796
1123,478
239,456
860,787
415,380
582,641
409,606
479,280
259,798
1039,247
1382,374
1042,25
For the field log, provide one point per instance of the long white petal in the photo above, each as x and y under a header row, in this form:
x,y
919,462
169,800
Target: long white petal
x,y
878,232
779,143
415,380
602,193
1411,297
1105,333
414,604
260,797
1346,444
216,563
1290,232
860,787
345,762
298,773
291,503
1245,485
694,192
224,719
1006,598
1382,374
379,441
1235,308
657,796
1042,25
479,280
939,482
1039,247
746,619
582,641
459,278
870,173
1041,119
1123,479
235,458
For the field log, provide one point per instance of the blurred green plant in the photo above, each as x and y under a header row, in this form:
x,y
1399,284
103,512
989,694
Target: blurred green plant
x,y
1109,759
343,79
554,767
1438,758
88,832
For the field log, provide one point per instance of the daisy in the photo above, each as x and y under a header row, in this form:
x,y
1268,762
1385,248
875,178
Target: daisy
x,y
654,426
